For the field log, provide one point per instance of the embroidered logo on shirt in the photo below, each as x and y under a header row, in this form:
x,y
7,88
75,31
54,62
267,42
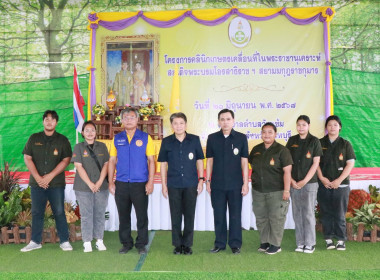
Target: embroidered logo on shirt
x,y
308,155
85,154
341,156
38,144
271,162
324,148
191,156
294,146
236,151
55,152
139,143
257,153
74,155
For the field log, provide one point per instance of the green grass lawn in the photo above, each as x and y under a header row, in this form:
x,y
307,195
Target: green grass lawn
x,y
360,261
358,256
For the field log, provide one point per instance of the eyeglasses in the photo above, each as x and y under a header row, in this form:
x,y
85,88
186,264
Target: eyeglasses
x,y
129,118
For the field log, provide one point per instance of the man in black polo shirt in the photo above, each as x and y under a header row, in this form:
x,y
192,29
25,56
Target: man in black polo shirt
x,y
181,158
46,154
227,160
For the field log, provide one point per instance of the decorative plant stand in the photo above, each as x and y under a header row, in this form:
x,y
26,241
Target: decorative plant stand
x,y
15,235
18,235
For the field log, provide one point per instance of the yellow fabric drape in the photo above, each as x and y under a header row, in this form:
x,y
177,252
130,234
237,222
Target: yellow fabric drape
x,y
213,14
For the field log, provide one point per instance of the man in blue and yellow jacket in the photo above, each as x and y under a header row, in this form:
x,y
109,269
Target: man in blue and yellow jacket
x,y
132,154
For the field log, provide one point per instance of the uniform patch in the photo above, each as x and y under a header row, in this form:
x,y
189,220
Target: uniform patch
x,y
38,144
271,162
323,148
236,151
55,152
139,143
341,156
308,155
294,146
85,154
257,153
74,155
191,156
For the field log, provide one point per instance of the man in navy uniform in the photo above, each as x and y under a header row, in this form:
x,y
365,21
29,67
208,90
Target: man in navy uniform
x,y
227,163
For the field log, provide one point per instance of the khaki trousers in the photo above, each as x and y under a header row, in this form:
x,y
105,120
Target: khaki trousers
x,y
270,211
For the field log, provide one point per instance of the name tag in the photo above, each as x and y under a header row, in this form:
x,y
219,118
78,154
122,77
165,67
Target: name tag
x,y
121,142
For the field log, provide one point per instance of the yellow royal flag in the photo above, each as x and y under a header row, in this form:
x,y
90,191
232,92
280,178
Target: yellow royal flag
x,y
175,105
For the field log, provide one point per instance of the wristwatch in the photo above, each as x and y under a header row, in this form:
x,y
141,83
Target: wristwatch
x,y
201,178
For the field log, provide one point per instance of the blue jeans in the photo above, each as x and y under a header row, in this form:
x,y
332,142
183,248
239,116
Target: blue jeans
x,y
56,197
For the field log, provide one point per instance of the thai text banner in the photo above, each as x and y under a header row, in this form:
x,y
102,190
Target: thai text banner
x,y
262,70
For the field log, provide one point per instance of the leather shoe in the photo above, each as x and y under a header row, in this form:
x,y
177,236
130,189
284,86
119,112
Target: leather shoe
x,y
187,251
142,250
125,249
177,250
216,250
235,251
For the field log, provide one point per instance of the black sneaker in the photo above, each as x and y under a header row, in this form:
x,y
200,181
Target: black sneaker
x,y
187,250
263,247
273,250
340,246
177,250
329,244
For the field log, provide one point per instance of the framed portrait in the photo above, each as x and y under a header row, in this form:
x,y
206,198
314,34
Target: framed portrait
x,y
130,69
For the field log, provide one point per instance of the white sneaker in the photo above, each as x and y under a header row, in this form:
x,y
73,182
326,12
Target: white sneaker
x,y
65,246
100,245
87,247
309,249
31,246
299,249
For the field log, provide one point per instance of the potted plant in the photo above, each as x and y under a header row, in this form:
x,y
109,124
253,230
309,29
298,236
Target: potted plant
x,y
145,112
366,219
98,110
24,221
8,180
72,219
118,121
374,193
158,108
8,211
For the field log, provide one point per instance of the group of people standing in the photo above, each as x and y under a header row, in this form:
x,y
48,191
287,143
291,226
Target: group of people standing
x,y
306,169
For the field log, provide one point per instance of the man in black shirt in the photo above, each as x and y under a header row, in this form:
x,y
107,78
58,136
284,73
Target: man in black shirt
x,y
46,154
227,160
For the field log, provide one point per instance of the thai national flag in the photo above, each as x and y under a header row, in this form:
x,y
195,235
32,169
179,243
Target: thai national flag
x,y
78,103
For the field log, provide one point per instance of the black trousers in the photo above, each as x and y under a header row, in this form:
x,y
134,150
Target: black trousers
x,y
182,201
333,204
126,195
219,200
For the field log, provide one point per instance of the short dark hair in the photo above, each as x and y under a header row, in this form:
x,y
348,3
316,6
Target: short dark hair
x,y
303,118
226,111
269,124
178,115
333,118
52,113
129,109
87,123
